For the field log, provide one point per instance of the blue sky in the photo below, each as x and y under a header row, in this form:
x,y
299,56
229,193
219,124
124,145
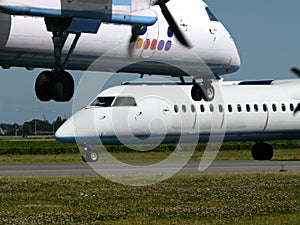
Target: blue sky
x,y
267,34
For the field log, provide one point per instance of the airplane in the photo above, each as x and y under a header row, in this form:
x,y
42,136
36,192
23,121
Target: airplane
x,y
156,37
132,114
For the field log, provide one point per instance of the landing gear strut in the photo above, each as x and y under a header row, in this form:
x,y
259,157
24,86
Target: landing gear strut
x,y
57,84
262,151
204,91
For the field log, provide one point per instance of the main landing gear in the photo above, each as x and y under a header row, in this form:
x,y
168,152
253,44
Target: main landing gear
x,y
57,84
262,151
204,91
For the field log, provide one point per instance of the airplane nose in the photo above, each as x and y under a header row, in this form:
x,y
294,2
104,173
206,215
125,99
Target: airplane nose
x,y
78,127
235,60
66,132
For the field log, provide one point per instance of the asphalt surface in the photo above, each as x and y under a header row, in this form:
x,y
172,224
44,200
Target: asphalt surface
x,y
78,169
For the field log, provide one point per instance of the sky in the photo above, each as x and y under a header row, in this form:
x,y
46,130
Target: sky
x,y
267,34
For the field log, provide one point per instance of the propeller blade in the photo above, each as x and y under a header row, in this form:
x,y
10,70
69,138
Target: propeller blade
x,y
296,71
133,39
168,16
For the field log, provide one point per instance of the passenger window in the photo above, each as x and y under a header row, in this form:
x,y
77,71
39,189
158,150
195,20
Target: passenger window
x,y
239,108
193,109
211,15
229,108
274,108
211,107
202,108
255,108
265,107
283,107
221,108
183,108
248,108
292,108
176,108
124,101
103,101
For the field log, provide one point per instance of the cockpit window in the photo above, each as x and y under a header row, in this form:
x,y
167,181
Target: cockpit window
x,y
103,101
114,101
211,15
124,101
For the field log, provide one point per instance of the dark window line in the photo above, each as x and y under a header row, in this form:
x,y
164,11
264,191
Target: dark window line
x,y
239,107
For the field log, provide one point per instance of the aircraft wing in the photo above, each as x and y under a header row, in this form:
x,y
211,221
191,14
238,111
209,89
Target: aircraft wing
x,y
85,13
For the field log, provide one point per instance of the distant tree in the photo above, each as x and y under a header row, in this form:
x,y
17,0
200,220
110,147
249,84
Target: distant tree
x,y
27,129
58,122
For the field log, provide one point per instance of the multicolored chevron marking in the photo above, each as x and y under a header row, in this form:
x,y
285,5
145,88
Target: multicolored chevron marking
x,y
153,44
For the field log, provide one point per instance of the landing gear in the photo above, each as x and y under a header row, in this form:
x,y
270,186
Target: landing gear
x,y
262,151
203,91
62,87
42,86
89,155
57,84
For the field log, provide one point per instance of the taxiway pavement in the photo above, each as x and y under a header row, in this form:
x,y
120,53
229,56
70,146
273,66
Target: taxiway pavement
x,y
78,169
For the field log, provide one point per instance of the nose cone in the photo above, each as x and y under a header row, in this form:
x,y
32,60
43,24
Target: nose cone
x,y
235,61
66,132
78,128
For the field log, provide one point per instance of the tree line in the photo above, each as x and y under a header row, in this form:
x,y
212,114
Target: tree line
x,y
34,127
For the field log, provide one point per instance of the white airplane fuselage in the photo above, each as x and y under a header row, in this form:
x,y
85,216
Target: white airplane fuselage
x,y
245,111
25,42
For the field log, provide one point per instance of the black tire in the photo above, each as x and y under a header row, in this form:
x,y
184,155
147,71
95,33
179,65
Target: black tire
x,y
197,93
262,151
93,156
62,87
209,93
90,156
43,86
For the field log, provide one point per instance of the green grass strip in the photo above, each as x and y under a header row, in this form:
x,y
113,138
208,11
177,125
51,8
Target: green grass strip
x,y
264,198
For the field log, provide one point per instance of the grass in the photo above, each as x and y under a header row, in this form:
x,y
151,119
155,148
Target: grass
x,y
265,198
279,154
40,150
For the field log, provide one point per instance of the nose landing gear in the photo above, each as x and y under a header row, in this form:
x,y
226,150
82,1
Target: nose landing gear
x,y
89,155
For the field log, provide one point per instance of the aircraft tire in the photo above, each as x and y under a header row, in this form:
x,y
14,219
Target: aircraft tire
x,y
62,87
42,86
209,93
90,156
197,93
262,151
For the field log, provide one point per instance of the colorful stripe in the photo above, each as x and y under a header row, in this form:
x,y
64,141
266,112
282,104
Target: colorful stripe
x,y
153,44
